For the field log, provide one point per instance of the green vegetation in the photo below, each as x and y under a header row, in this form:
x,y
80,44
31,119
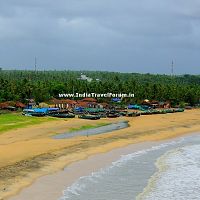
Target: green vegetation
x,y
86,127
13,121
43,85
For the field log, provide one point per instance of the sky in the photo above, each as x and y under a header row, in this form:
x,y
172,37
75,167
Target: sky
x,y
141,36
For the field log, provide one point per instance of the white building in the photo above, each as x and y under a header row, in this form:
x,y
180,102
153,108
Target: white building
x,y
85,78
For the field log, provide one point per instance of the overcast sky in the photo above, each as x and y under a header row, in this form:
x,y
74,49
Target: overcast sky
x,y
115,35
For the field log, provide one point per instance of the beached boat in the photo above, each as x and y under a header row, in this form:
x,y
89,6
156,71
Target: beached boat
x,y
122,113
112,115
163,112
37,114
179,110
91,117
70,115
146,112
133,114
158,112
102,115
169,111
62,115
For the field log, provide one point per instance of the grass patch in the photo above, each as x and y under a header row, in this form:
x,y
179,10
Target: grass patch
x,y
85,127
16,120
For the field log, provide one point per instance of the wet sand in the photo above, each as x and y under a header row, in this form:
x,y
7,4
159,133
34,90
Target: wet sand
x,y
29,153
50,187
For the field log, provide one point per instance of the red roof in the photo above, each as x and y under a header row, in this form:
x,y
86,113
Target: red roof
x,y
4,105
154,102
62,101
55,101
19,105
12,103
89,100
82,104
69,101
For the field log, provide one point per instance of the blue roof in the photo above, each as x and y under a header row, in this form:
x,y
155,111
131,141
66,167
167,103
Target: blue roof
x,y
41,110
116,99
53,109
134,106
80,109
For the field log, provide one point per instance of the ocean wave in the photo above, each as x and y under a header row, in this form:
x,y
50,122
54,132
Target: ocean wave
x,y
80,185
177,177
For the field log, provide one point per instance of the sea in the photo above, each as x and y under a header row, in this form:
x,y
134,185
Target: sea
x,y
166,171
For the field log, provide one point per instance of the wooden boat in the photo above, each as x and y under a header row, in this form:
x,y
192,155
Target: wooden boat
x,y
37,114
163,112
102,115
122,113
180,110
133,114
91,117
157,112
169,111
112,115
70,115
146,113
62,115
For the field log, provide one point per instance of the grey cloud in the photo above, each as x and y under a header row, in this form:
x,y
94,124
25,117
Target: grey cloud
x,y
139,35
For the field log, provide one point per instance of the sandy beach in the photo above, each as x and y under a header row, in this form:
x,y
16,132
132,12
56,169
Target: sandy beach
x,y
29,153
50,187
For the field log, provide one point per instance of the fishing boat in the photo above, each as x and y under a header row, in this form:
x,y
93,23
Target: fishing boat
x,y
122,113
180,110
133,114
102,115
112,115
62,115
158,112
37,114
146,112
91,117
169,111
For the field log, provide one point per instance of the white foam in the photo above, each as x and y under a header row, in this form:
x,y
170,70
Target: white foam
x,y
79,186
178,177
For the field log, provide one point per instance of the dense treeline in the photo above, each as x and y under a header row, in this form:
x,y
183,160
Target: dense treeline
x,y
43,85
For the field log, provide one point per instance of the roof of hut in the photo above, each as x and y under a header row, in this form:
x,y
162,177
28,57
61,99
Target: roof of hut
x,y
69,101
4,105
59,101
89,100
82,104
19,105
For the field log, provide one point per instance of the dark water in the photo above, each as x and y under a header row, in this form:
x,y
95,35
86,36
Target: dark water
x,y
94,131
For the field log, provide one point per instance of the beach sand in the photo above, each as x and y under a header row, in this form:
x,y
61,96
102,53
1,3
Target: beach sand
x,y
50,187
29,153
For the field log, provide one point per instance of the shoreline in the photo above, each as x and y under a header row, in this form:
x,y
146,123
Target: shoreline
x,y
156,129
52,186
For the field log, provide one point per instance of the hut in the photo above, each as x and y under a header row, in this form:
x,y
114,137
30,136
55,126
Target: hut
x,y
31,103
165,105
89,100
154,104
43,105
62,103
104,105
20,105
4,105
